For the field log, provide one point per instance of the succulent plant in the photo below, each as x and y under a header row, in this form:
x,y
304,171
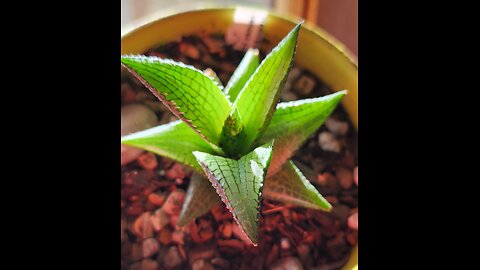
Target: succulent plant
x,y
237,138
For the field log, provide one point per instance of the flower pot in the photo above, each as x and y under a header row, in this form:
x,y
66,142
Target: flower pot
x,y
317,52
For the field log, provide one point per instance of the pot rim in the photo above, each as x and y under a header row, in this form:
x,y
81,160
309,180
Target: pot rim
x,y
145,21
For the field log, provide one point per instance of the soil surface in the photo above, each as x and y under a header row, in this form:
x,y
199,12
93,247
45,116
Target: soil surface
x,y
290,237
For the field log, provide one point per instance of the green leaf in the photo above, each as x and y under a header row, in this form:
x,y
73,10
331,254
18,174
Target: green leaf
x,y
290,186
245,69
295,121
258,98
239,184
174,140
200,198
192,96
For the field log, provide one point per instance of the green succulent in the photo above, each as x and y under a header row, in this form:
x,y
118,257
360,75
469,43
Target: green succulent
x,y
237,138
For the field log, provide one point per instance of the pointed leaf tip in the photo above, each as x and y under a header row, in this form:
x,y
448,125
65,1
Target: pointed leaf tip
x,y
300,23
343,92
199,155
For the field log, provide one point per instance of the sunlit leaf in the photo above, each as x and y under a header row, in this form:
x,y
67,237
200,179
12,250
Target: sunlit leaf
x,y
192,96
295,121
245,69
257,100
174,140
239,184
